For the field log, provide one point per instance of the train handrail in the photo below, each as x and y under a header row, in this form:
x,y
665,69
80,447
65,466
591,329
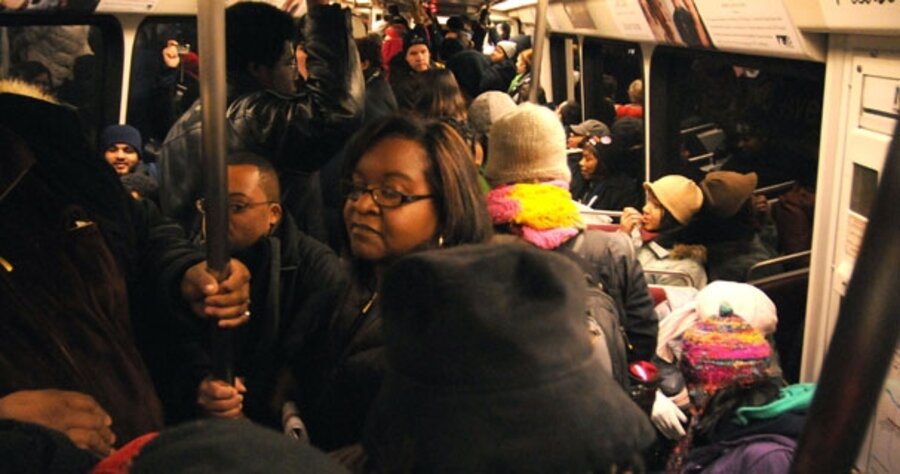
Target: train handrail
x,y
789,258
784,186
863,343
781,276
698,128
705,156
602,212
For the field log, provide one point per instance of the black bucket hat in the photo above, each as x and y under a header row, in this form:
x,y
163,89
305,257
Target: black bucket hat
x,y
491,368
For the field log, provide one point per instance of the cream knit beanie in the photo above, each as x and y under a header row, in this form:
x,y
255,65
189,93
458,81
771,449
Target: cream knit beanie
x,y
526,144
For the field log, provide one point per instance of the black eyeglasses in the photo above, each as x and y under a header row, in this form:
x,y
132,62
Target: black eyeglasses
x,y
384,197
236,207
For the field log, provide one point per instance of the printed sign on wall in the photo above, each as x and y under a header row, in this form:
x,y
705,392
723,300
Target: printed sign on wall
x,y
754,25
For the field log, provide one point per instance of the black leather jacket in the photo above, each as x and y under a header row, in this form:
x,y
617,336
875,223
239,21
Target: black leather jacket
x,y
299,133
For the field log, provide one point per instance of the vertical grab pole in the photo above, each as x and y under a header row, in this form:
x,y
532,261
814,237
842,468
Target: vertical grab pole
x,y
540,37
210,35
864,341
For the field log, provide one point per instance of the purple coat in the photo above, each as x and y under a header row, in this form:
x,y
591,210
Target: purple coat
x,y
769,453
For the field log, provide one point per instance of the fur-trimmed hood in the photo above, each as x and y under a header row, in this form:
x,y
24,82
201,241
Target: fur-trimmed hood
x,y
20,87
685,251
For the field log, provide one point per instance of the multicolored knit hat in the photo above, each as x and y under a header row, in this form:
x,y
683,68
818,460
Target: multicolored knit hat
x,y
722,351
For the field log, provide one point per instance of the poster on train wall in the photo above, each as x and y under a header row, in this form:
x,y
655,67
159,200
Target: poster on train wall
x,y
862,16
629,17
750,25
46,6
134,6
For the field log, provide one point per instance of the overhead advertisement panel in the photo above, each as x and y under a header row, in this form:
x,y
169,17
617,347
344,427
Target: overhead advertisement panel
x,y
631,19
857,16
749,26
46,6
135,6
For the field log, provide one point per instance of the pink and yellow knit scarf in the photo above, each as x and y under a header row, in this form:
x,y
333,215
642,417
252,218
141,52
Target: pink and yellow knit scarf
x,y
542,213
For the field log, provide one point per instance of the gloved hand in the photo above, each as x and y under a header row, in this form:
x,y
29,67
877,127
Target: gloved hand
x,y
668,417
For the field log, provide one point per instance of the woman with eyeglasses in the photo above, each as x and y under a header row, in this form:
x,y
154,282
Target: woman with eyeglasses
x,y
410,185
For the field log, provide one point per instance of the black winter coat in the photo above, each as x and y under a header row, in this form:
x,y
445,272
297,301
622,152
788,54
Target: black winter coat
x,y
91,269
299,133
612,193
351,368
295,286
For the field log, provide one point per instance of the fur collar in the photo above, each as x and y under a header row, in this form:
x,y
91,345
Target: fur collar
x,y
19,87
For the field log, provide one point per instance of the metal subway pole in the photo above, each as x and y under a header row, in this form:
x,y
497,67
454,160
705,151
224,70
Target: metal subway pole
x,y
540,37
210,35
863,344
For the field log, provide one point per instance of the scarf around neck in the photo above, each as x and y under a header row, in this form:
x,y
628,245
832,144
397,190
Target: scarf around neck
x,y
541,213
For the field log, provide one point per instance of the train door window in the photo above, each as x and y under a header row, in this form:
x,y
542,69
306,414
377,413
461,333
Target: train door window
x,y
565,64
609,69
72,60
163,85
733,112
714,111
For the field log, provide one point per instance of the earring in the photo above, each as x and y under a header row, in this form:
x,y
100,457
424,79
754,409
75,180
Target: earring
x,y
440,241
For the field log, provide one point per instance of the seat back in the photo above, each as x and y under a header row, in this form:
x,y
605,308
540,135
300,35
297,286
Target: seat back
x,y
788,291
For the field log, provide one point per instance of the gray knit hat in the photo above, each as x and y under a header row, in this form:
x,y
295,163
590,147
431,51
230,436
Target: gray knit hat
x,y
591,127
528,143
487,108
508,47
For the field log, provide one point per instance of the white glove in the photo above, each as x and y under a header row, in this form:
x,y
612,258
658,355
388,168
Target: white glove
x,y
668,417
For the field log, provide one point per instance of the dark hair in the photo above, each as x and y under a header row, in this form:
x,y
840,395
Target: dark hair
x,y
609,153
399,20
455,23
668,224
255,32
451,174
571,113
721,406
28,71
369,48
608,86
300,32
268,177
670,230
449,47
504,29
440,96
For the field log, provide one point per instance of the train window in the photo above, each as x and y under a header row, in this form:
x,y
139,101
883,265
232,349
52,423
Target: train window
x,y
162,86
732,112
609,69
713,111
72,60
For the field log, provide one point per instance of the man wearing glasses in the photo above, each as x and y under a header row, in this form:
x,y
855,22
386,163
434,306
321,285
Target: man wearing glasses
x,y
296,283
